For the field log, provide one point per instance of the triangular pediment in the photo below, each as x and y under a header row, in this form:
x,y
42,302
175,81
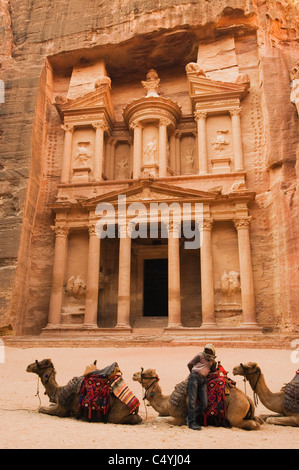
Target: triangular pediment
x,y
97,101
147,192
204,89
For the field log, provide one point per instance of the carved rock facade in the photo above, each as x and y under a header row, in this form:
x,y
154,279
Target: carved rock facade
x,y
184,104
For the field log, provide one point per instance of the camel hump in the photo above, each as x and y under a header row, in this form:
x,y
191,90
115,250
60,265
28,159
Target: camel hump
x,y
179,394
291,395
67,393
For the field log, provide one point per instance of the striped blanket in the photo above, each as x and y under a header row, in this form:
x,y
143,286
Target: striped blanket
x,y
123,393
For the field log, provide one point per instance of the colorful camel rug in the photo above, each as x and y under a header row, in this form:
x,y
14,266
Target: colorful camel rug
x,y
94,398
123,393
215,412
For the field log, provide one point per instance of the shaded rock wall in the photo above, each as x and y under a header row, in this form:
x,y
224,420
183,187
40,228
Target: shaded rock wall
x,y
149,34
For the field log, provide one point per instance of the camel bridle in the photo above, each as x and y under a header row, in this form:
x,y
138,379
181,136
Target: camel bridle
x,y
47,377
259,373
146,388
40,368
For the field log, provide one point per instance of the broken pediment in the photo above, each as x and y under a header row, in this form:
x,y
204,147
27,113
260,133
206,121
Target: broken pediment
x,y
90,105
204,90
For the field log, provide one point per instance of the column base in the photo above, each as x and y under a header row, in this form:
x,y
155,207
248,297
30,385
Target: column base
x,y
89,325
208,325
123,327
173,326
251,325
52,326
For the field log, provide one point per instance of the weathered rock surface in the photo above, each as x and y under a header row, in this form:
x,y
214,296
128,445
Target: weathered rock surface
x,y
256,38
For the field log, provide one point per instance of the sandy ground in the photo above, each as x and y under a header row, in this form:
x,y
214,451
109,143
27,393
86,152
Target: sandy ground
x,y
22,427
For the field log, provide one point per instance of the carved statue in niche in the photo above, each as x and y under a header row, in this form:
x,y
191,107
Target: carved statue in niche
x,y
83,156
150,152
152,83
75,287
122,169
220,141
230,284
188,154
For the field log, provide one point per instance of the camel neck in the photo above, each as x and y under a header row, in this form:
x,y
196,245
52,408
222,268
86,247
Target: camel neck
x,y
269,399
48,380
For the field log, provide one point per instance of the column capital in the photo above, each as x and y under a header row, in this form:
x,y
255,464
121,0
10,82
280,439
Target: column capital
x,y
164,122
67,127
111,140
125,230
173,226
101,124
242,222
235,111
200,115
136,125
60,230
206,224
92,229
178,133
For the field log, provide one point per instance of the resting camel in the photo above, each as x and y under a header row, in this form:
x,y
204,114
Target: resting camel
x,y
273,401
239,407
118,412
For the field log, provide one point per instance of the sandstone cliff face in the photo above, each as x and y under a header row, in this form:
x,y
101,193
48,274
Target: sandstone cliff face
x,y
145,34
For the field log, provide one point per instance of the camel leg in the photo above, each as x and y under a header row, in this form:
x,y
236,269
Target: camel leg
x,y
258,419
54,410
283,420
114,418
249,424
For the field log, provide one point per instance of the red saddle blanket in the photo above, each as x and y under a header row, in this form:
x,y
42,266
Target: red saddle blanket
x,y
215,412
94,398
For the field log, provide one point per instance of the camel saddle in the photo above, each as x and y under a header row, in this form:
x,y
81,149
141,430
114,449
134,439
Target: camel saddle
x,y
291,394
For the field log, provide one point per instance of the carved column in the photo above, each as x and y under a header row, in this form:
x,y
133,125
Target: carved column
x,y
59,263
200,118
100,128
163,123
174,280
178,136
247,290
207,279
137,149
237,139
67,152
111,155
172,150
124,278
92,284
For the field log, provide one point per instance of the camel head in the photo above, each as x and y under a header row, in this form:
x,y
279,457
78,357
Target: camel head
x,y
40,367
146,377
246,369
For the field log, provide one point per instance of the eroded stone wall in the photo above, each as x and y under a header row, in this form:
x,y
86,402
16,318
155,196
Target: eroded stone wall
x,y
229,37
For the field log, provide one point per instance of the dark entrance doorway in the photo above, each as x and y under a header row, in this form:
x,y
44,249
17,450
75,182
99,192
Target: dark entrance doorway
x,y
155,288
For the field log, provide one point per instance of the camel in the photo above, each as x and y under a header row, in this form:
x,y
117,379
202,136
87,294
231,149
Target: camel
x,y
273,401
118,412
239,408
